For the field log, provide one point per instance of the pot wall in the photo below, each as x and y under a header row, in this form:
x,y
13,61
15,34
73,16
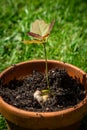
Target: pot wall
x,y
47,120
75,126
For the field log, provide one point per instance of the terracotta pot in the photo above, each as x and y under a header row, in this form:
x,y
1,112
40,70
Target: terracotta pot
x,y
17,119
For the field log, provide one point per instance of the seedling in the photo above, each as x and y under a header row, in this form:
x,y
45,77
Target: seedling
x,y
40,32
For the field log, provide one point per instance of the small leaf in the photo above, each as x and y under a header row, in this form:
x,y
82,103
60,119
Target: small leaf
x,y
39,31
39,27
35,35
32,41
51,26
45,91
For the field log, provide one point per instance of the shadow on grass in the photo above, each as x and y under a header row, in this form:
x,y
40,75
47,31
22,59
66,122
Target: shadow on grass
x,y
84,124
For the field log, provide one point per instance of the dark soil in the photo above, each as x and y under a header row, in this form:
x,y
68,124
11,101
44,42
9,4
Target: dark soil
x,y
65,91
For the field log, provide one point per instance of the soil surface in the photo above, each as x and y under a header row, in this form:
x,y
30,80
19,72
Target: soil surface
x,y
65,91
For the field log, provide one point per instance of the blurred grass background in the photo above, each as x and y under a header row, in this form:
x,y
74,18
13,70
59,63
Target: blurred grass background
x,y
67,42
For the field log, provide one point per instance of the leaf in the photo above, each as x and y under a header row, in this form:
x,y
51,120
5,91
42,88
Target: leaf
x,y
51,26
32,41
35,35
45,91
40,31
39,27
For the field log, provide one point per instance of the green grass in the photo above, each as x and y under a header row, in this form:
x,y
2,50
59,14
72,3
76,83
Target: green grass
x,y
2,123
67,42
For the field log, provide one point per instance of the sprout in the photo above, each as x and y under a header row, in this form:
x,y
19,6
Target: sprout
x,y
40,32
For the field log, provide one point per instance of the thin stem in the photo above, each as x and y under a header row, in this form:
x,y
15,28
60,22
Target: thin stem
x,y
46,64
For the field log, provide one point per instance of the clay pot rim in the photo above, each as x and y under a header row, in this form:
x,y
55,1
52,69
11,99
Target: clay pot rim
x,y
44,114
